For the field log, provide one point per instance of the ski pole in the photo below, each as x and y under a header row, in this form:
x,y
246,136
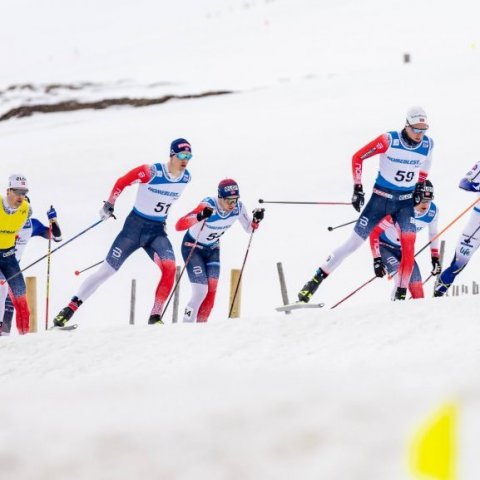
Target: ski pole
x,y
240,276
427,279
441,232
53,251
261,200
342,225
420,251
78,272
181,272
353,293
472,235
47,295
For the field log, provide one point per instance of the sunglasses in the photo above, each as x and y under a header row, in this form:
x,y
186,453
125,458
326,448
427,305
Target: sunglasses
x,y
20,192
231,201
184,156
418,130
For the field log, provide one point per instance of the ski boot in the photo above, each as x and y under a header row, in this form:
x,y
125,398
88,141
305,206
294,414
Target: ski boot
x,y
400,294
155,319
440,288
67,313
306,293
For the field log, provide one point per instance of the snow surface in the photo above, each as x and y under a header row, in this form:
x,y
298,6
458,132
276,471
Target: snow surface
x,y
329,394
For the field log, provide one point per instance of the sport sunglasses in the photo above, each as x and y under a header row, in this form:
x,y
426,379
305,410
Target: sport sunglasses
x,y
184,156
418,130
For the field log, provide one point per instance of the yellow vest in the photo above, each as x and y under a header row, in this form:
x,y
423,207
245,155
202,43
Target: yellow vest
x,y
11,224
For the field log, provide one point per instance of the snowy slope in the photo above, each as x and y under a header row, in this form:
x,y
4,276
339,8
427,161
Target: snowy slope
x,y
330,394
333,395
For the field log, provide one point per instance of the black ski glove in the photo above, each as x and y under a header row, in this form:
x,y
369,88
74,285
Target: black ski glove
x,y
107,211
379,267
258,214
205,213
418,193
437,268
358,197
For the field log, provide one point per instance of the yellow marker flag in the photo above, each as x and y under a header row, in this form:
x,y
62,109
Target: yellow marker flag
x,y
433,450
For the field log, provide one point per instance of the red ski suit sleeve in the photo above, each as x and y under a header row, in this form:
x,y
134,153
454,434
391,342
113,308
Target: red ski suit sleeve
x,y
141,174
185,222
379,145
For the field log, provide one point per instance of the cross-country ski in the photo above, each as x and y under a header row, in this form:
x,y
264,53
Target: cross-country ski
x,y
65,328
298,306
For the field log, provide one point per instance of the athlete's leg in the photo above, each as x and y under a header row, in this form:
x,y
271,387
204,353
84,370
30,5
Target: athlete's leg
x,y
371,215
7,316
447,277
343,251
123,246
415,286
91,283
3,298
213,273
467,245
404,218
368,220
22,313
197,274
391,258
10,269
207,304
127,241
160,251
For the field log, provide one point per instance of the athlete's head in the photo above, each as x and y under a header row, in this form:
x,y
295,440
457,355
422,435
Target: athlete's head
x,y
426,197
17,189
416,123
228,194
180,153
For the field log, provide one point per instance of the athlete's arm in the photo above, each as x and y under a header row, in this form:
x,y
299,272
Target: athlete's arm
x,y
379,145
39,229
142,174
471,181
426,166
245,218
432,233
190,218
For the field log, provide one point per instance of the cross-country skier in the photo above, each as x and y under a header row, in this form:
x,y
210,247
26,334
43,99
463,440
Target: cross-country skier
x,y
159,187
14,212
32,228
386,248
206,224
405,159
469,240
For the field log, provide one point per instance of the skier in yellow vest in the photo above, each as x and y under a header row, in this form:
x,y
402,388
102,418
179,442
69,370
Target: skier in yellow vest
x,y
14,212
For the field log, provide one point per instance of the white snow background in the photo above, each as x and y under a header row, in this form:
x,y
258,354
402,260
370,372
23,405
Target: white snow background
x,y
315,395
